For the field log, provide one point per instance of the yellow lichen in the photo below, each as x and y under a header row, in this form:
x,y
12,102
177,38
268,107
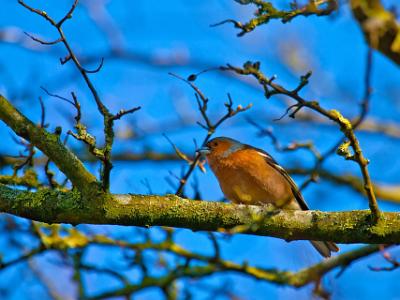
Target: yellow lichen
x,y
345,124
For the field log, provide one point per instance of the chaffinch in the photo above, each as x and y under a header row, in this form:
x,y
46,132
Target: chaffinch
x,y
249,175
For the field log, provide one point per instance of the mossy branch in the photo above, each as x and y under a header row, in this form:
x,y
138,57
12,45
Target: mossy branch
x,y
49,144
380,27
170,210
266,12
104,153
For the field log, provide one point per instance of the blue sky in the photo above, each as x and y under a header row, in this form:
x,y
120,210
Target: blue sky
x,y
179,31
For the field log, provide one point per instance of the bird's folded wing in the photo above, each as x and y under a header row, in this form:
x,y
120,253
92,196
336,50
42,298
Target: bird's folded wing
x,y
295,190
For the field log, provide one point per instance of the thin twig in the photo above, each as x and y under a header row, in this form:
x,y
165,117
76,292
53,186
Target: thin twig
x,y
345,125
211,127
104,153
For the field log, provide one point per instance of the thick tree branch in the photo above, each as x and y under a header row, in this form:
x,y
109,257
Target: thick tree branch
x,y
384,191
170,210
380,27
49,144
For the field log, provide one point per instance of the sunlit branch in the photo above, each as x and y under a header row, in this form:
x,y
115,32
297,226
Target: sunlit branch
x,y
104,153
266,12
170,210
381,28
49,144
272,88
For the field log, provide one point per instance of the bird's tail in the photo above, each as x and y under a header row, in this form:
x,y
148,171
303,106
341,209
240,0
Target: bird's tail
x,y
325,248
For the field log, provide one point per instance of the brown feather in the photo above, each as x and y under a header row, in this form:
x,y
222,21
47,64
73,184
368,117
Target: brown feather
x,y
243,179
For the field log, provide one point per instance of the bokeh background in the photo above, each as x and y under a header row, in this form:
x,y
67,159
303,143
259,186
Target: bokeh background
x,y
141,42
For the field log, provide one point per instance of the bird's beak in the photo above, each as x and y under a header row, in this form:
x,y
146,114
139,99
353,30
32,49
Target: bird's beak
x,y
203,151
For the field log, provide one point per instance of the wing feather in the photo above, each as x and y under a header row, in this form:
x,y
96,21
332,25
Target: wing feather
x,y
324,248
295,190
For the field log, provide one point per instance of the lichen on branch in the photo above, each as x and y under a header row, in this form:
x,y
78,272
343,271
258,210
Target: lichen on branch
x,y
49,144
170,210
380,27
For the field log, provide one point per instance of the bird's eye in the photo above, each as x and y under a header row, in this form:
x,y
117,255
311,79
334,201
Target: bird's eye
x,y
215,144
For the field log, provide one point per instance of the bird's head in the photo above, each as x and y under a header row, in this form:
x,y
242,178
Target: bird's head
x,y
220,147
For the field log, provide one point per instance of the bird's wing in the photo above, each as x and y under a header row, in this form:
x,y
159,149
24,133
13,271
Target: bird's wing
x,y
295,190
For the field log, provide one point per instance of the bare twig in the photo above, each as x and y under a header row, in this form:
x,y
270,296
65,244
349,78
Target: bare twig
x,y
394,264
345,125
42,41
202,102
104,153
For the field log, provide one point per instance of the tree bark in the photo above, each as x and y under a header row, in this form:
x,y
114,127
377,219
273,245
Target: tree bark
x,y
49,144
169,210
380,27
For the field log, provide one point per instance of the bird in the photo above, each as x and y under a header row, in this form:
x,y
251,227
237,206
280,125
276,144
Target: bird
x,y
249,175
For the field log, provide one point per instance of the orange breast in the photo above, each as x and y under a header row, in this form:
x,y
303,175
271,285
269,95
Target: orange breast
x,y
246,177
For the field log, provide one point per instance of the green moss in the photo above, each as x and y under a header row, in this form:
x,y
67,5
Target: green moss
x,y
49,144
153,210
